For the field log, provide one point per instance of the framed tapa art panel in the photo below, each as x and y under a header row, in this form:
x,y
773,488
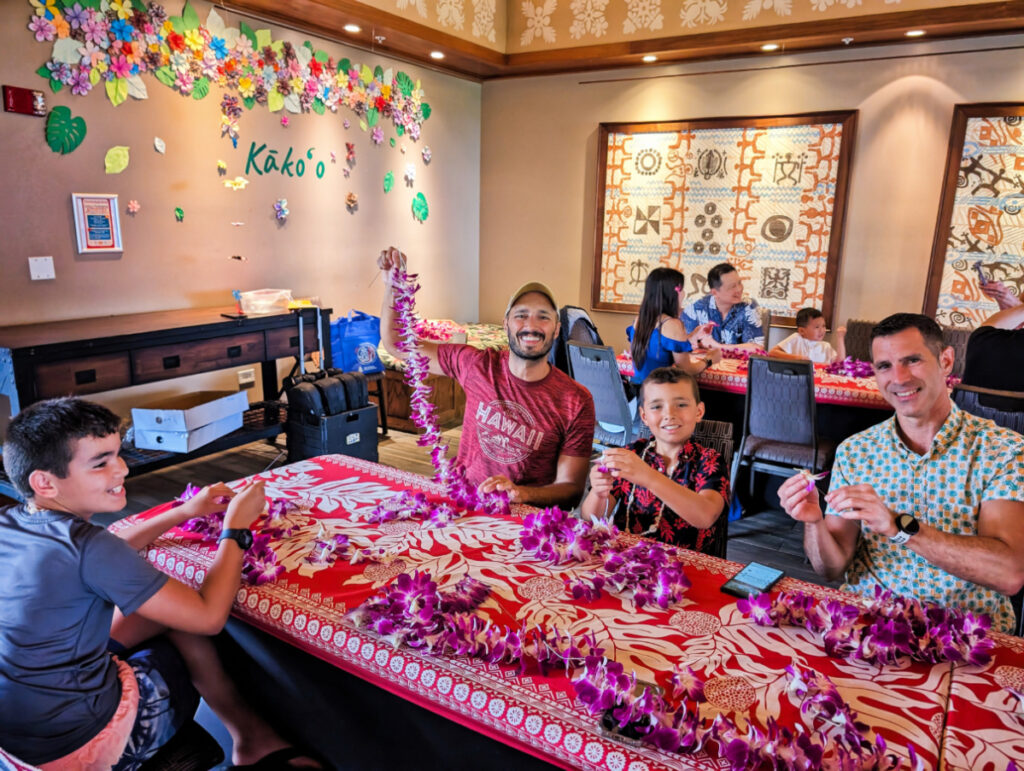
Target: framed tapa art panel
x,y
979,234
767,195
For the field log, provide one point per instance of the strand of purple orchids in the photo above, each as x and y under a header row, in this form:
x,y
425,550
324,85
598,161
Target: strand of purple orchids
x,y
647,569
634,711
448,472
259,563
890,630
850,367
412,611
742,354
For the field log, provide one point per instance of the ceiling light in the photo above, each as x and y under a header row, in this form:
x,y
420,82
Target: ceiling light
x,y
915,33
436,55
650,58
770,47
352,28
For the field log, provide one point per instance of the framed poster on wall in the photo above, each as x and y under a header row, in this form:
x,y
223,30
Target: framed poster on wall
x,y
980,229
97,222
767,195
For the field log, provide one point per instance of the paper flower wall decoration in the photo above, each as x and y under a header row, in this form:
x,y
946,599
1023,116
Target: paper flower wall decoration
x,y
64,133
352,201
334,158
179,213
284,121
426,155
133,206
350,152
159,145
222,168
238,183
116,159
389,182
281,209
410,174
377,135
419,207
346,123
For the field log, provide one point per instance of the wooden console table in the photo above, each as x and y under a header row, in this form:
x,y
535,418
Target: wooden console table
x,y
87,356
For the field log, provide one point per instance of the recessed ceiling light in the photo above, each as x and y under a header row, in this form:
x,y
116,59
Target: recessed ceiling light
x,y
915,33
770,47
353,28
436,55
650,58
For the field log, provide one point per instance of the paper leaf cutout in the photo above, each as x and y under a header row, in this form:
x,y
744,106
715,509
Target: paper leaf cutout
x,y
362,125
94,76
55,85
420,210
159,145
200,88
215,23
274,100
166,76
64,133
246,30
179,213
343,66
304,55
250,102
319,107
378,72
389,182
426,110
178,24
405,83
399,129
372,115
366,75
190,17
262,38
116,159
136,88
388,77
65,51
43,72
321,56
292,103
117,90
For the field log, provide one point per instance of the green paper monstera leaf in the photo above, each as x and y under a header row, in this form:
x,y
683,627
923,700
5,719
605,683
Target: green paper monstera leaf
x,y
405,83
420,210
389,182
64,133
200,88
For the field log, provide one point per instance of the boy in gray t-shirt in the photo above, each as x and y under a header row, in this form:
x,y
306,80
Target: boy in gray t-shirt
x,y
59,686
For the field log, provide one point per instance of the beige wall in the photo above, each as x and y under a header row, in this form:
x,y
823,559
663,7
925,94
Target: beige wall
x,y
322,250
539,159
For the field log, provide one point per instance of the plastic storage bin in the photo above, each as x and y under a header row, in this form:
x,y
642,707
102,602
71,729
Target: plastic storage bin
x,y
265,301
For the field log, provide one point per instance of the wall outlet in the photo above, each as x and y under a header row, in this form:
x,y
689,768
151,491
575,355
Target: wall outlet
x,y
246,378
40,268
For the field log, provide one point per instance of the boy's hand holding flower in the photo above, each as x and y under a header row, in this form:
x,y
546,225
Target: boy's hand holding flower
x,y
209,500
601,480
246,507
624,463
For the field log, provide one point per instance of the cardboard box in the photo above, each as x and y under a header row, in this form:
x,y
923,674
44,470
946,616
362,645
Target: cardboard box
x,y
183,423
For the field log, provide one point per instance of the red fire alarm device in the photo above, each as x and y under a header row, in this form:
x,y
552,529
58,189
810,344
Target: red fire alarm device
x,y
25,101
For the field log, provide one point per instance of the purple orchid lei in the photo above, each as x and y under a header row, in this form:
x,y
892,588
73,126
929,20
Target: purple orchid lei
x,y
648,569
462,495
259,564
742,353
851,367
636,712
558,537
890,630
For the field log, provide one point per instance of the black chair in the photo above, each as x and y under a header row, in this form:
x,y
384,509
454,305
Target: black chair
x,y
191,749
717,435
957,340
778,421
966,398
858,339
576,325
594,367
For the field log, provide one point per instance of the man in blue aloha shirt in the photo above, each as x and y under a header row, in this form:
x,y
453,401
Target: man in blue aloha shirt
x,y
929,503
738,321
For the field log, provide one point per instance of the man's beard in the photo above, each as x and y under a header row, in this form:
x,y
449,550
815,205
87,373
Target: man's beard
x,y
513,344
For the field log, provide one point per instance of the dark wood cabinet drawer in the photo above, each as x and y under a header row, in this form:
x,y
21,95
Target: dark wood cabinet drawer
x,y
167,361
89,375
284,341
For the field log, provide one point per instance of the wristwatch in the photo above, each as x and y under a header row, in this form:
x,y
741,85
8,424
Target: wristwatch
x,y
241,536
707,364
906,526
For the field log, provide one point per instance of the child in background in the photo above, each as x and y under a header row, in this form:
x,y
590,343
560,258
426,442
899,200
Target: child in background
x,y
64,698
674,489
808,342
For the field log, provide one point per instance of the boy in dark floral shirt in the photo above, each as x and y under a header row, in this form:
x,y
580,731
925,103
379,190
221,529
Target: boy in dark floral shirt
x,y
673,489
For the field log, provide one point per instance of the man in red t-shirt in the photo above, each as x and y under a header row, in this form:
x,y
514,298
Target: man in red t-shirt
x,y
529,427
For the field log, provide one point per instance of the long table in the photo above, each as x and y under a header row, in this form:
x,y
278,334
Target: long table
x,y
306,607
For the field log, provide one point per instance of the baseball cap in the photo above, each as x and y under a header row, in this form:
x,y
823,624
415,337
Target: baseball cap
x,y
532,286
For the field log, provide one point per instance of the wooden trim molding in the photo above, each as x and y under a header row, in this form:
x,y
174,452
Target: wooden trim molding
x,y
409,40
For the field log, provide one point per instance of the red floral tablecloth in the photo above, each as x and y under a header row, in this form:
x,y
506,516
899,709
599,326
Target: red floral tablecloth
x,y
985,721
743,663
731,375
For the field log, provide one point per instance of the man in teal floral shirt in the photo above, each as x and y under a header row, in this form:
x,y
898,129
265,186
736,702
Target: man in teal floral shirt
x,y
929,503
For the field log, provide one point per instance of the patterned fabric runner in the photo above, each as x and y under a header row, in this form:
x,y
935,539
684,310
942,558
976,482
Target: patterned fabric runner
x,y
743,662
477,335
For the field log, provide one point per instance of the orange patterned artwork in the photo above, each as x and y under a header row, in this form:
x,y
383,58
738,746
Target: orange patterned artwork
x,y
980,239
764,194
